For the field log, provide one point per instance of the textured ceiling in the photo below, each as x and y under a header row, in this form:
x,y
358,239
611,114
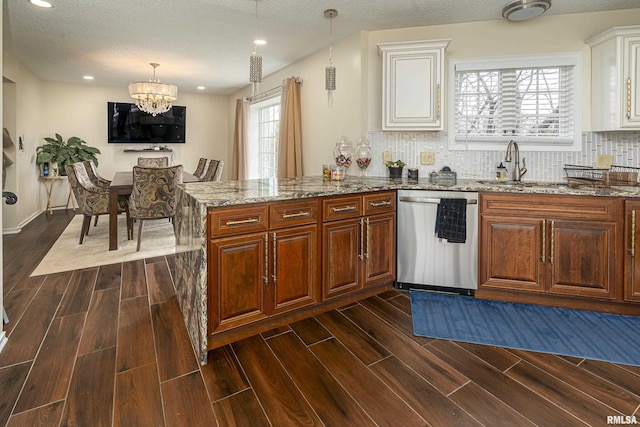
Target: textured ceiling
x,y
208,42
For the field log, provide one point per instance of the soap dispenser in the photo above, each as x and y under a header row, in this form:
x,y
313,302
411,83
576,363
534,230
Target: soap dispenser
x,y
501,172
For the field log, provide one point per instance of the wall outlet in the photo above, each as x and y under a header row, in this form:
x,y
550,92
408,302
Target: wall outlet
x,y
386,156
427,158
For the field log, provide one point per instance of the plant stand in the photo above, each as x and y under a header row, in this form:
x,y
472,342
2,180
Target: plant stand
x,y
48,183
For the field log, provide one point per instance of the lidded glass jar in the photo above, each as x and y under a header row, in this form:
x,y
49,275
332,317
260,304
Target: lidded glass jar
x,y
343,152
364,153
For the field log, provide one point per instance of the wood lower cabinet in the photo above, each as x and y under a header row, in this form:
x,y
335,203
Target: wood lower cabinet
x,y
551,245
256,275
265,261
358,251
632,251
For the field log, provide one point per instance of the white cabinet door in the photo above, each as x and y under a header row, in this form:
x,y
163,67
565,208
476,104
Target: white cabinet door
x,y
631,87
412,89
615,79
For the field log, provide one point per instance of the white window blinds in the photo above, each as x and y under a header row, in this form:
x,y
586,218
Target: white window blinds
x,y
532,101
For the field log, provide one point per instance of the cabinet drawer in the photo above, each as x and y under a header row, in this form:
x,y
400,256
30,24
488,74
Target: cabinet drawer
x,y
380,203
295,213
341,207
227,221
574,207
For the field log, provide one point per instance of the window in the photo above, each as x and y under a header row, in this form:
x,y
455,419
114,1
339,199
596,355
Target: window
x,y
264,138
533,100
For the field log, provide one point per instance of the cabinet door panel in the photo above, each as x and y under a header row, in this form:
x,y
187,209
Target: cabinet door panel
x,y
236,274
511,253
294,257
582,256
630,85
379,250
341,257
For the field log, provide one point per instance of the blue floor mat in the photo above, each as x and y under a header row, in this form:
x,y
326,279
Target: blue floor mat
x,y
585,334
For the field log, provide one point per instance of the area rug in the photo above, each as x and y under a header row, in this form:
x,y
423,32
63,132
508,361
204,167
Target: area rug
x,y
66,254
584,334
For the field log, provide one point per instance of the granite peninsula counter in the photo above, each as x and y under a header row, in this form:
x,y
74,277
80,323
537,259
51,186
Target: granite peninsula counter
x,y
195,199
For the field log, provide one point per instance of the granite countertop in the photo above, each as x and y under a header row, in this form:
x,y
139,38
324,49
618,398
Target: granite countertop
x,y
229,193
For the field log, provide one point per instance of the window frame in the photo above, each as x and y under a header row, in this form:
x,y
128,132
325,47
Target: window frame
x,y
254,169
526,143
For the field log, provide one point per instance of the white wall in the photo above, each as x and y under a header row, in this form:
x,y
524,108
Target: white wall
x,y
321,125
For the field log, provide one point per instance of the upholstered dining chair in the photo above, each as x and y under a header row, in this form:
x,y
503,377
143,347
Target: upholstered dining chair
x,y
92,200
92,171
202,163
153,162
153,194
214,170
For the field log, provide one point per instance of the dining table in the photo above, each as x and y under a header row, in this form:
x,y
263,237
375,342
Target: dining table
x,y
121,185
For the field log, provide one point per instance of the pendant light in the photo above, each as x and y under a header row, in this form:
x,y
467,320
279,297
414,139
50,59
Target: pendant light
x,y
330,70
153,97
255,60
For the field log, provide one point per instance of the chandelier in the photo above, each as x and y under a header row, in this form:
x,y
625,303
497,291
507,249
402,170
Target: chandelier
x,y
153,97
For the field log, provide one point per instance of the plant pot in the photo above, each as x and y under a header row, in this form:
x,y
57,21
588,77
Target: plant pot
x,y
395,172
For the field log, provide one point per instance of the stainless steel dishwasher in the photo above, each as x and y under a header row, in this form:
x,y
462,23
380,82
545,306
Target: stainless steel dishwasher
x,y
425,261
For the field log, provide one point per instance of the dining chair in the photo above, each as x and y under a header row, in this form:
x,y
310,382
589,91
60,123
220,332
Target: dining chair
x,y
214,170
92,200
153,162
153,194
199,172
99,181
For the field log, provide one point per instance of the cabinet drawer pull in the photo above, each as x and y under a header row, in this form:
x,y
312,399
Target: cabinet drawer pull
x,y
345,209
361,239
295,215
275,262
632,249
438,104
552,238
380,204
544,240
242,221
628,98
266,259
366,254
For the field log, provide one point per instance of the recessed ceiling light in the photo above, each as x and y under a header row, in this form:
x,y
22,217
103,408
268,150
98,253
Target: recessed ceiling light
x,y
41,3
259,42
201,88
519,10
87,77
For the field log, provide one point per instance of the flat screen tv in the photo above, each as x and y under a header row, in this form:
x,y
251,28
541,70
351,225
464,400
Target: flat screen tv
x,y
128,125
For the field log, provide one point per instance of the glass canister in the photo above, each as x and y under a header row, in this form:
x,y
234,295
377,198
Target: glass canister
x,y
364,153
343,152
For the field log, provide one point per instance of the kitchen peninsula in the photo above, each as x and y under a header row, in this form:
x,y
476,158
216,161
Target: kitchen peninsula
x,y
254,255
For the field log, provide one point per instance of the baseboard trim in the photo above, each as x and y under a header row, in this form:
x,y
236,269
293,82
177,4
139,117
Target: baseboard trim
x,y
23,224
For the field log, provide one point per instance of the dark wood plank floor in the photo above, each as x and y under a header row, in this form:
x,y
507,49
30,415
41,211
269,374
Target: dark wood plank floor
x,y
107,346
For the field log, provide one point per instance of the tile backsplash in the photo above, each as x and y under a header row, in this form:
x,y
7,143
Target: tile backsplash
x,y
541,165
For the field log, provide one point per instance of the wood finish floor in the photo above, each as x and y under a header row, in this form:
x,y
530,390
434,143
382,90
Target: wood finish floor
x,y
107,346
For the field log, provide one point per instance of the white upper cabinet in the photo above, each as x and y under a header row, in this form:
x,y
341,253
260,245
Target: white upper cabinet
x,y
412,86
615,79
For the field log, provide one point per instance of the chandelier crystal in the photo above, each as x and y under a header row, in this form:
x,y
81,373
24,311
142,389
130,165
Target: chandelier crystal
x,y
153,97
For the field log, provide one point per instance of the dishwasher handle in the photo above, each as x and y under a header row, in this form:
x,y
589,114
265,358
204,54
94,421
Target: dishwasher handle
x,y
431,200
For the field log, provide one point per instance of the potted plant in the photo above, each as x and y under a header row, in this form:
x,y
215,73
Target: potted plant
x,y
395,168
57,153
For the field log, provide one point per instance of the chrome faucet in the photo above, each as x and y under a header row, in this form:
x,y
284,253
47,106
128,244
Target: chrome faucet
x,y
516,171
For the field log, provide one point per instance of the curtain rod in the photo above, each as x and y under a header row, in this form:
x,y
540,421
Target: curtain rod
x,y
268,93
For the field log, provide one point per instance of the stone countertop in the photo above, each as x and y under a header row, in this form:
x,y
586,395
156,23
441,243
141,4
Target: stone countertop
x,y
229,193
